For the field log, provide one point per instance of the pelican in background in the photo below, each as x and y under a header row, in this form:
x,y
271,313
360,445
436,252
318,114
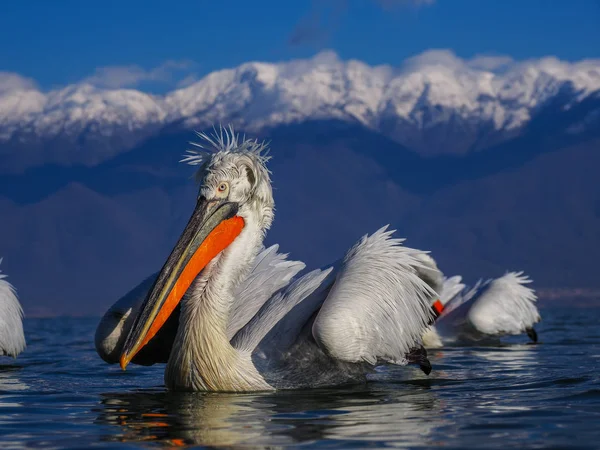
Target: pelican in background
x,y
481,314
225,314
12,338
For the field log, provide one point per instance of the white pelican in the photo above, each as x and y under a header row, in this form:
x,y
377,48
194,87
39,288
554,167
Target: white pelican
x,y
481,314
12,338
244,324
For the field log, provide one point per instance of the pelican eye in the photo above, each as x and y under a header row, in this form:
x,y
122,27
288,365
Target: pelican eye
x,y
223,188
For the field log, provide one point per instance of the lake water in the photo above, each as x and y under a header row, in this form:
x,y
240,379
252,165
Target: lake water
x,y
59,394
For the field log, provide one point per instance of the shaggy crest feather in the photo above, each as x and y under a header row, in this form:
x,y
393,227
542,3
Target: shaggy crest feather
x,y
223,155
224,140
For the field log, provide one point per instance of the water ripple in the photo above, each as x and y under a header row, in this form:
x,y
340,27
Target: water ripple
x,y
59,394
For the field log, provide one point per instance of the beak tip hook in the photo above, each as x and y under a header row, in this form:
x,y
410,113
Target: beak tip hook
x,y
123,362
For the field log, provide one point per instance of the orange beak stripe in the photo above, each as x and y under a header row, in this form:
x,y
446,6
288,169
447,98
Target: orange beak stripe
x,y
217,241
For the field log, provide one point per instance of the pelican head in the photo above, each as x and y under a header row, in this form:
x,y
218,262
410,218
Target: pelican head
x,y
234,209
234,171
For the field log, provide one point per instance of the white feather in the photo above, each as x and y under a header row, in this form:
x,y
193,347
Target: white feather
x,y
271,271
489,310
377,260
431,338
504,306
428,270
12,338
271,315
378,307
223,140
451,288
463,297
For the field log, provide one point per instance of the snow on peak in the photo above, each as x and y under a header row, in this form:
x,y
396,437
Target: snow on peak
x,y
423,92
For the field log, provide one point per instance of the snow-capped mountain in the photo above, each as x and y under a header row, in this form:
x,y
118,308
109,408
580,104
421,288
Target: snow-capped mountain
x,y
479,212
434,103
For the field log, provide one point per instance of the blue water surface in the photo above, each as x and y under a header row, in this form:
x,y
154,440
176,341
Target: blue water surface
x,y
59,394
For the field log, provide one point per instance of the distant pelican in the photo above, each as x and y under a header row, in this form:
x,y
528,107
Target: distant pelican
x,y
481,314
244,323
12,339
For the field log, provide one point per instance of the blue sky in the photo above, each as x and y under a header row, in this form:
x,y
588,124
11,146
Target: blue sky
x,y
61,42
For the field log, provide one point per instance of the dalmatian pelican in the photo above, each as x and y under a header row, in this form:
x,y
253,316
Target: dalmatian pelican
x,y
228,315
480,314
12,338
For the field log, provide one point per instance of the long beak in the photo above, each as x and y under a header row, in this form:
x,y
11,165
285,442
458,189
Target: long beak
x,y
211,229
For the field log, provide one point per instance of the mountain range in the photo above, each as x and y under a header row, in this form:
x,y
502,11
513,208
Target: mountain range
x,y
489,163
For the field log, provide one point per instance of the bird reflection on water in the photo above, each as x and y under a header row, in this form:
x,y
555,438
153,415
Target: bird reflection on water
x,y
403,409
514,395
376,412
10,382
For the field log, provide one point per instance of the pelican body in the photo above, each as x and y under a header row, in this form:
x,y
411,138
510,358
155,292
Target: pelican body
x,y
226,314
12,338
481,314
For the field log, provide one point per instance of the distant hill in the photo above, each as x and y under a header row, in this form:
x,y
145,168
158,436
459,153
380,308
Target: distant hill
x,y
483,195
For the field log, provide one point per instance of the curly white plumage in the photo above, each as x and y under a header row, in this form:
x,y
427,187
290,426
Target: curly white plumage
x,y
12,338
504,306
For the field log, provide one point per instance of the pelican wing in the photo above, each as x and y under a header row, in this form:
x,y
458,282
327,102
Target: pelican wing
x,y
451,288
271,271
12,338
378,308
428,271
464,296
278,323
369,307
505,306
